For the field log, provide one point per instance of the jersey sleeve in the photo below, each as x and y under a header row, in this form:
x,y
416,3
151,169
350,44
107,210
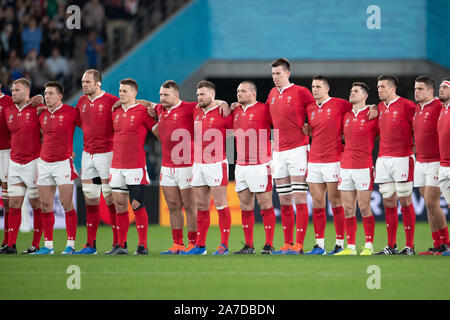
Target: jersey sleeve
x,y
77,119
306,97
148,121
346,106
410,110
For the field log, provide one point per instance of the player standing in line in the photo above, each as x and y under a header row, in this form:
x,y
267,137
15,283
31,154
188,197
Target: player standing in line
x,y
23,125
210,168
395,164
426,169
443,127
5,151
128,173
252,123
356,173
175,130
95,108
287,103
55,165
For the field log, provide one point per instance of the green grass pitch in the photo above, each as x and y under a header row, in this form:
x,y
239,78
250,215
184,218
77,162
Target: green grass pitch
x,y
258,277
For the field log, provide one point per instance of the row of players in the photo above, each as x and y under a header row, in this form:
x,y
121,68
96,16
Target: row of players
x,y
114,133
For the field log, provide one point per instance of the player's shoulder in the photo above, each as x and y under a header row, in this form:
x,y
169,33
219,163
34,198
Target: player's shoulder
x,y
6,99
110,97
407,102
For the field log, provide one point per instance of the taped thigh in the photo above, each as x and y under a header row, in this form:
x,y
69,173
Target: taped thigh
x,y
33,193
387,190
106,190
404,189
300,187
91,191
17,191
284,189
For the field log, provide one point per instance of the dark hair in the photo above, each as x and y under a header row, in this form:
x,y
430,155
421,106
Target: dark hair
x,y
206,84
389,77
322,78
130,82
170,84
281,62
97,75
24,82
429,82
251,84
55,84
362,85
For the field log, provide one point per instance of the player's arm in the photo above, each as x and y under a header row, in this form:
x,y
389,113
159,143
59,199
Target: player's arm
x,y
373,111
156,132
224,108
150,107
37,100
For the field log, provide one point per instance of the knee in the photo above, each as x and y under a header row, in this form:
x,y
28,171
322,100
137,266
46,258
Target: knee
x,y
67,205
173,206
46,206
335,202
365,210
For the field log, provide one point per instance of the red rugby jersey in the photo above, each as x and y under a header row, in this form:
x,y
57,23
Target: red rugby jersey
x,y
326,125
130,129
23,124
443,127
5,137
395,122
176,132
57,129
288,110
359,135
210,130
96,122
425,131
251,126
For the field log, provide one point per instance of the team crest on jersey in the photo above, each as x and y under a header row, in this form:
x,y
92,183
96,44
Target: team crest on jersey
x,y
251,116
100,108
175,116
83,109
61,118
395,115
426,115
211,120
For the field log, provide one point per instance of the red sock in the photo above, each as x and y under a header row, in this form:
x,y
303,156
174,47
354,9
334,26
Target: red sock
x,y
92,222
248,223
339,222
113,216
192,237
37,227
288,222
436,239
391,225
142,225
203,221
6,227
71,224
409,222
123,223
224,225
369,227
48,222
177,236
15,218
319,222
269,220
302,222
350,228
443,236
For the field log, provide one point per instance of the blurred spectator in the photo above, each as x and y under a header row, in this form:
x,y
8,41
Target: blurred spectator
x,y
93,48
31,37
17,71
117,19
94,16
58,66
9,40
40,75
30,60
52,8
52,39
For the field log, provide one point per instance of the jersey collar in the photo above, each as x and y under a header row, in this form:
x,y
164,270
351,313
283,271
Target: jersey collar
x,y
284,88
174,107
359,111
250,105
56,109
21,109
134,105
99,96
426,104
320,105
213,108
389,104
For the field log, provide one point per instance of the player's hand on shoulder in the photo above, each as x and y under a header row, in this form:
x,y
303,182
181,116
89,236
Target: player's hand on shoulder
x,y
116,105
306,129
40,108
151,110
234,105
224,108
37,100
373,111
